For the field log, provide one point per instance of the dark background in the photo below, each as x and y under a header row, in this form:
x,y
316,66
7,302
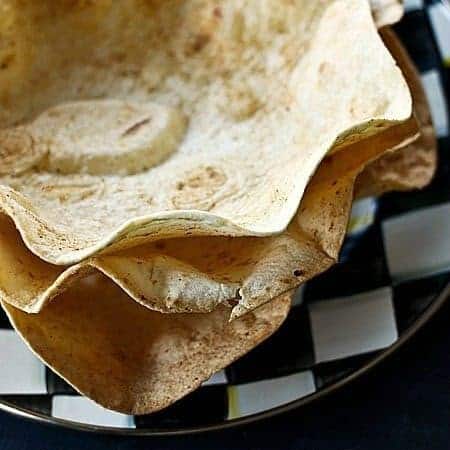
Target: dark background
x,y
404,403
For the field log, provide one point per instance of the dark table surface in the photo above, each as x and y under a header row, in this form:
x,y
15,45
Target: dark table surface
x,y
404,403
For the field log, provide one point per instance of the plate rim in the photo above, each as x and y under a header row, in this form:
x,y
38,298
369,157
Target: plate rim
x,y
408,333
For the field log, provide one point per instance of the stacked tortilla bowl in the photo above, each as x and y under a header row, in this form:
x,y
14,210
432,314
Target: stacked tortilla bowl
x,y
170,171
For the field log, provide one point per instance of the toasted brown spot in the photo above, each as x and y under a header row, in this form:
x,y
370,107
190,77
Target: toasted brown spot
x,y
199,42
7,61
136,126
160,245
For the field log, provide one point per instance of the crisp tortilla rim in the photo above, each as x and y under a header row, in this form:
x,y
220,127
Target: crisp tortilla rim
x,y
412,166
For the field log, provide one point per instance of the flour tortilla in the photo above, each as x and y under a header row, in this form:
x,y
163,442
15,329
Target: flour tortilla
x,y
233,105
199,274
133,360
413,166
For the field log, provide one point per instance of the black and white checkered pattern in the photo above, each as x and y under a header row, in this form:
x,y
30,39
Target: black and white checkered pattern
x,y
390,272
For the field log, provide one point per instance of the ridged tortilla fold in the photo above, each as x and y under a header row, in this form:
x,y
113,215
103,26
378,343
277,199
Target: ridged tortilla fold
x,y
199,274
